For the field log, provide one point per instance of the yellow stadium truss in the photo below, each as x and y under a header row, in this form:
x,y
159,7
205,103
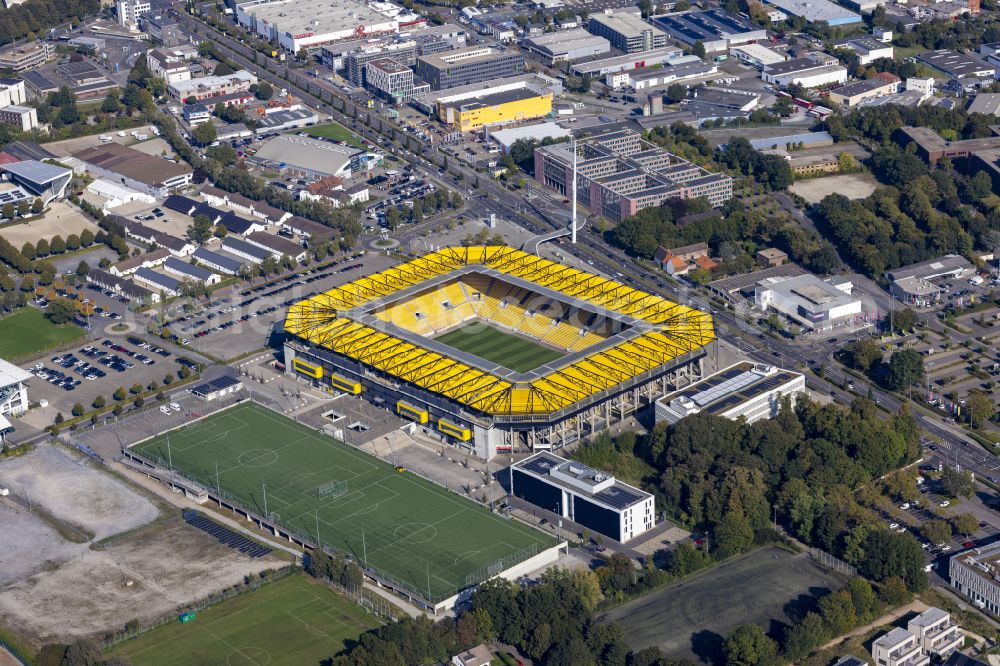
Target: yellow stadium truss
x,y
674,331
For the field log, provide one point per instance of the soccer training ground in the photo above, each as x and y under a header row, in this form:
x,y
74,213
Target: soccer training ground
x,y
509,350
429,540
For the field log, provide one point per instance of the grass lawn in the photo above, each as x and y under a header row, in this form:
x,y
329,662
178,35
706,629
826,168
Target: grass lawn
x,y
334,131
403,526
27,332
293,621
510,351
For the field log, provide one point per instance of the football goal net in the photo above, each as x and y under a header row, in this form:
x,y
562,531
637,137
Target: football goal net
x,y
332,489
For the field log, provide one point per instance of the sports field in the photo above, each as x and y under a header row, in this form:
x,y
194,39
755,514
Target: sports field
x,y
28,332
405,527
293,621
510,351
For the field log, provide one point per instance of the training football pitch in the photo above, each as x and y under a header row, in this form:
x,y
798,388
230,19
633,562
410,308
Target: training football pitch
x,y
399,524
292,621
510,351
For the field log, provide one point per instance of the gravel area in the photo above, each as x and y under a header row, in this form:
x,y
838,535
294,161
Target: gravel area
x,y
29,545
72,489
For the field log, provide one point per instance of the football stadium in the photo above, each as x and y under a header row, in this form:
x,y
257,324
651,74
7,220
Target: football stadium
x,y
496,349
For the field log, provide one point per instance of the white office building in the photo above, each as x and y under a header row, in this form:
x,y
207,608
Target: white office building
x,y
129,11
814,304
805,72
588,497
747,390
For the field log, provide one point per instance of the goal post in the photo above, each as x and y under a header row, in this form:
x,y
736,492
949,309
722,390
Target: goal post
x,y
332,489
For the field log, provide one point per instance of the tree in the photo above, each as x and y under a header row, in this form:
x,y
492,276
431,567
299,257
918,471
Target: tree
x,y
905,368
82,268
28,283
8,211
955,483
77,410
37,206
936,531
42,248
733,534
698,49
894,592
99,402
747,645
60,311
804,637
201,229
866,605
837,611
120,394
978,408
86,238
676,93
863,354
588,587
222,69
111,103
57,245
72,243
264,91
965,524
205,133
887,554
901,321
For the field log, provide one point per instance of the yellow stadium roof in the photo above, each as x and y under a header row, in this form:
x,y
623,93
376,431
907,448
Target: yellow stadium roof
x,y
672,330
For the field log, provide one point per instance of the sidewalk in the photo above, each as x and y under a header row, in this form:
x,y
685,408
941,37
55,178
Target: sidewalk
x,y
915,606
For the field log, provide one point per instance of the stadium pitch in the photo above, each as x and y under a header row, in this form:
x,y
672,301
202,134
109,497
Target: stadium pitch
x,y
405,528
509,350
291,621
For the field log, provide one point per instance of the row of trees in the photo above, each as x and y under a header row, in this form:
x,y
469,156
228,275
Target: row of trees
x,y
8,211
37,17
57,245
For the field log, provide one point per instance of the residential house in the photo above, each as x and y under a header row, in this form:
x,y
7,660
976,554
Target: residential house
x,y
179,247
148,260
771,256
277,245
477,656
217,262
158,282
936,633
898,648
245,250
186,271
119,285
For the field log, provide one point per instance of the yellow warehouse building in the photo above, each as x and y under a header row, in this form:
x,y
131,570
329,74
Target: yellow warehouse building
x,y
502,108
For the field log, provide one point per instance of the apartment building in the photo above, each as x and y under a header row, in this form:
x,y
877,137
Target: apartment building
x,y
898,648
936,633
627,31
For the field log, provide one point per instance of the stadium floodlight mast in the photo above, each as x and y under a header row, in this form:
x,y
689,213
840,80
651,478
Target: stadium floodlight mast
x,y
264,486
572,198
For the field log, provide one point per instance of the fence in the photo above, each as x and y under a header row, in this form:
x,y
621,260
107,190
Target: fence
x,y
830,562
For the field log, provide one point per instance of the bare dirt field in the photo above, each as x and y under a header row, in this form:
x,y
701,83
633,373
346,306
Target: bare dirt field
x,y
71,489
690,619
70,146
29,545
852,186
61,219
170,565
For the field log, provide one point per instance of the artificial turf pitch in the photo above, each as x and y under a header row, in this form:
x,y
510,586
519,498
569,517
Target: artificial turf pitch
x,y
291,621
509,350
422,535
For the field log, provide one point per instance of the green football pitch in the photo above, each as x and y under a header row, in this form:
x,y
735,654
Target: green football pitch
x,y
399,524
292,621
510,351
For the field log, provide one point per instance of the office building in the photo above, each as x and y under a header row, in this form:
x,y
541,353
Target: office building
x,y
212,86
23,118
468,66
620,174
12,92
627,32
566,45
505,138
810,302
744,390
588,497
432,101
717,29
26,56
817,11
898,648
129,11
806,72
355,62
976,574
167,66
605,66
134,169
936,633
40,179
308,24
163,29
757,55
389,80
957,65
853,94
496,109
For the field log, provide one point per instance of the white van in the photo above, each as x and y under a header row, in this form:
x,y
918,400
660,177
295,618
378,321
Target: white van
x,y
174,406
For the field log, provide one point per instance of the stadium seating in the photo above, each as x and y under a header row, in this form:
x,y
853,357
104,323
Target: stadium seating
x,y
224,535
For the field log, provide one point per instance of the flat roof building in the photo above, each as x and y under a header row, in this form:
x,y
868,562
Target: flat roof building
x,y
744,390
898,648
853,94
307,24
620,174
13,391
389,80
947,266
428,102
26,56
958,65
819,11
474,64
810,302
717,29
932,146
505,138
41,179
588,497
212,86
134,169
976,574
496,109
566,45
598,68
757,55
868,49
805,72
627,31
648,78
936,633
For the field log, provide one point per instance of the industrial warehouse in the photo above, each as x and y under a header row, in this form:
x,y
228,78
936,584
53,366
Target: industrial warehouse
x,y
496,349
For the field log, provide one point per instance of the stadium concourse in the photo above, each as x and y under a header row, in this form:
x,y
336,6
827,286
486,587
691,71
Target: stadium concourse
x,y
496,349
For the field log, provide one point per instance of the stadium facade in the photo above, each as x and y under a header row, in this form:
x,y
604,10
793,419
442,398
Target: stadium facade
x,y
617,349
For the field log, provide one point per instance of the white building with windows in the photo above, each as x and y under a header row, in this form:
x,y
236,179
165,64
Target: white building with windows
x,y
129,11
936,633
588,497
13,391
898,648
814,304
751,391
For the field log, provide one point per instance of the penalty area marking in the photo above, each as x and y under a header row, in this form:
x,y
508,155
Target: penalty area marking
x,y
249,656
